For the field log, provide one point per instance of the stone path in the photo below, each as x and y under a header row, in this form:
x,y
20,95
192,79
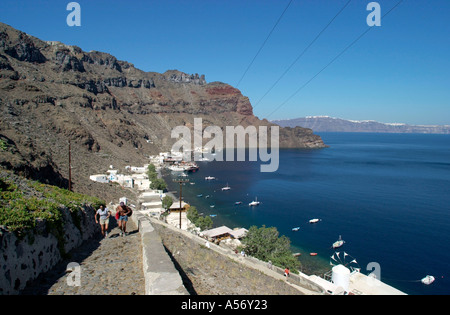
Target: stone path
x,y
110,265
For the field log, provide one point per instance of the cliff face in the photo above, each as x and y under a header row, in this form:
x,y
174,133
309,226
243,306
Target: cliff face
x,y
111,112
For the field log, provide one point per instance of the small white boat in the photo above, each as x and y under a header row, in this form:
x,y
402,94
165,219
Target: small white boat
x,y
428,280
210,178
338,243
227,187
296,229
312,221
177,168
254,203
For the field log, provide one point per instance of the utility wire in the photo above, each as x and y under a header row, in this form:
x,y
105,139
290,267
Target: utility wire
x,y
264,43
332,61
302,53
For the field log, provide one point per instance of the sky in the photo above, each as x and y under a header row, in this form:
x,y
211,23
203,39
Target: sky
x,y
396,72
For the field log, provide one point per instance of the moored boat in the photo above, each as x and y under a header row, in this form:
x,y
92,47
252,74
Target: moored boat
x,y
428,280
254,203
338,243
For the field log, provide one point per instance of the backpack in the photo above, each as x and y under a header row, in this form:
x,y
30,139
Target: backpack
x,y
130,213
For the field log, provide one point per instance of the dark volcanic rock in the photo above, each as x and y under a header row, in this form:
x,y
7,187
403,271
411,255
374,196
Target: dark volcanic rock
x,y
113,113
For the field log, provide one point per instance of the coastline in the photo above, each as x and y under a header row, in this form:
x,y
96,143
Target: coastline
x,y
309,265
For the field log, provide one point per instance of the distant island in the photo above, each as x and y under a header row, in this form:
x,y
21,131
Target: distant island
x,y
331,124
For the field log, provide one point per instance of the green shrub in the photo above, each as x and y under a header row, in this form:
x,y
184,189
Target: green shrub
x,y
203,223
267,245
19,212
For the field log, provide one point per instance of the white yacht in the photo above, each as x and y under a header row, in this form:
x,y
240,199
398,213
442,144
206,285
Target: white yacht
x,y
254,203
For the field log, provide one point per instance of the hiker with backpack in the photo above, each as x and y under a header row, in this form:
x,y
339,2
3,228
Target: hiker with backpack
x,y
122,214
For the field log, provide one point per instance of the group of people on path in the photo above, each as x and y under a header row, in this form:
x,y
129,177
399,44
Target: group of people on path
x,y
122,213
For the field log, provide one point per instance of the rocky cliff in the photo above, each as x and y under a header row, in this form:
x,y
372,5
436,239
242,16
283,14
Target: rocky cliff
x,y
112,112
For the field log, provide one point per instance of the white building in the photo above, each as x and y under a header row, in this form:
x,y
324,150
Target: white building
x,y
124,180
139,169
112,175
101,178
141,181
343,282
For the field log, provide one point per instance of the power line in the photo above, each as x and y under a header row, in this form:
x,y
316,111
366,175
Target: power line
x,y
302,53
264,43
331,62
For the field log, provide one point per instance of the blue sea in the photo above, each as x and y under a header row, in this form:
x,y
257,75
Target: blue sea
x,y
387,195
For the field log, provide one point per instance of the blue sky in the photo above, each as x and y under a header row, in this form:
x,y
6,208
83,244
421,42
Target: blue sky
x,y
398,72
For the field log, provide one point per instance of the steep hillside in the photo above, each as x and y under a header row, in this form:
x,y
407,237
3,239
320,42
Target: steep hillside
x,y
113,113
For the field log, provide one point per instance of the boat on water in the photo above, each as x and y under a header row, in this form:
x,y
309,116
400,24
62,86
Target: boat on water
x,y
238,203
338,243
312,254
210,178
227,187
177,168
312,221
254,203
296,254
428,280
296,229
212,206
213,215
192,167
199,196
184,167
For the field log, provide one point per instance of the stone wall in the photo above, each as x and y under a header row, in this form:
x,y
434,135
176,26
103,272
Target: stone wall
x,y
23,260
161,276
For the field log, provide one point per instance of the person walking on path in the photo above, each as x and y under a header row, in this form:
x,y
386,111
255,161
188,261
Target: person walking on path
x,y
123,212
286,273
104,214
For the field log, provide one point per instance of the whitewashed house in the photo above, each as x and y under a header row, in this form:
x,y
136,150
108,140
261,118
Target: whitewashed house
x,y
101,178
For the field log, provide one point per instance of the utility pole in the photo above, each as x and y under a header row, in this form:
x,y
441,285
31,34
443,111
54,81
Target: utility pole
x,y
70,166
181,181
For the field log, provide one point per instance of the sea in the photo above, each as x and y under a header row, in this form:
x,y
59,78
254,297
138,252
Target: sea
x,y
386,195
